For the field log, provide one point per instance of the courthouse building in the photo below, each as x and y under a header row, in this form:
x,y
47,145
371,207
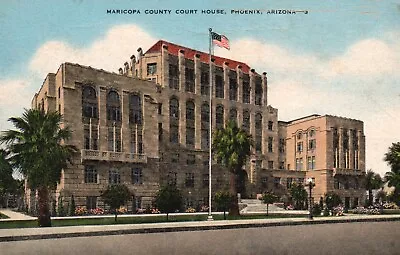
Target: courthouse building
x,y
148,125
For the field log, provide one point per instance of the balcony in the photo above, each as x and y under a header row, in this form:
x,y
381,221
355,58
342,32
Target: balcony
x,y
352,172
113,156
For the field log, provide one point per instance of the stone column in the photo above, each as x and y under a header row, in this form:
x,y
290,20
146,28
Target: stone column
x,y
361,150
341,151
252,86
239,78
265,89
351,149
103,143
165,66
181,68
197,74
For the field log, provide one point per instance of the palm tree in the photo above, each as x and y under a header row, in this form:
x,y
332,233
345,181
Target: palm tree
x,y
232,146
38,152
393,180
392,157
372,181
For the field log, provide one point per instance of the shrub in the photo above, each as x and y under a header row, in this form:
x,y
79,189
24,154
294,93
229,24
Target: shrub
x,y
338,210
81,210
190,210
317,209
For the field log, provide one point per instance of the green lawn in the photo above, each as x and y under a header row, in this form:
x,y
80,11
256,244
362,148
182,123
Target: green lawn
x,y
133,220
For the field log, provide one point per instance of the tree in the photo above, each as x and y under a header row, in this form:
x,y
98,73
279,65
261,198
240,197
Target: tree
x,y
222,201
299,195
72,206
372,181
331,200
392,157
115,196
269,198
168,199
7,183
38,151
232,146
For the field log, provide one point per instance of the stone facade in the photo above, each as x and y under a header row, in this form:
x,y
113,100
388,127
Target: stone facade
x,y
148,125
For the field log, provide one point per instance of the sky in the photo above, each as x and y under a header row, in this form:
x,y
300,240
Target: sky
x,y
341,58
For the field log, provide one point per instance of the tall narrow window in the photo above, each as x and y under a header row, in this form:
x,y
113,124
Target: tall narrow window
x,y
246,120
258,132
189,180
205,83
173,76
114,139
233,115
189,80
219,86
311,163
270,125
89,102
270,144
246,92
135,109
113,106
232,89
190,125
174,120
219,116
113,176
137,175
151,68
91,136
90,174
205,121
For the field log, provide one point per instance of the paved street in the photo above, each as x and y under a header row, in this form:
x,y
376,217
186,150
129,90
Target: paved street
x,y
347,238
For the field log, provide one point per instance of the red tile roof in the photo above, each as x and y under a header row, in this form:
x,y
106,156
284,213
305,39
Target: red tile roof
x,y
190,53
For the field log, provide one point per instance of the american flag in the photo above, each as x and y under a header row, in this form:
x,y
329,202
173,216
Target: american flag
x,y
220,40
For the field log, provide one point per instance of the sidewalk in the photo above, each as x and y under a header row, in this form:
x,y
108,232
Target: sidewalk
x,y
14,215
7,235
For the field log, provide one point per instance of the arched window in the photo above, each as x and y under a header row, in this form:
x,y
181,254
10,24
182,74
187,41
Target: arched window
x,y
205,113
113,106
233,115
174,108
190,110
89,102
135,109
219,116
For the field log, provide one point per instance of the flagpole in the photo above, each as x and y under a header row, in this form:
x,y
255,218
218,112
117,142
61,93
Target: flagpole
x,y
210,130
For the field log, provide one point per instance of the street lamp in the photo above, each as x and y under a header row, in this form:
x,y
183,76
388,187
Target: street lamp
x,y
310,184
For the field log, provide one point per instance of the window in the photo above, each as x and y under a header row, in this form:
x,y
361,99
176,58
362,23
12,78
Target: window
x,y
189,80
258,132
89,102
311,163
59,92
174,134
137,175
258,92
151,68
191,159
277,182
205,113
174,108
190,110
219,116
172,177
311,133
204,139
173,118
160,132
206,180
336,184
113,106
258,121
138,202
264,182
299,146
114,177
270,125
91,202
219,86
233,115
160,108
135,109
270,164
205,81
137,140
91,137
175,158
312,144
189,180
282,165
299,164
246,120
258,143
90,174
246,92
282,145
232,89
289,182
299,135
270,144
173,76
114,139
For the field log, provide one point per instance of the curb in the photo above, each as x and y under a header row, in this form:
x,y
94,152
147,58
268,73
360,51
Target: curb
x,y
191,228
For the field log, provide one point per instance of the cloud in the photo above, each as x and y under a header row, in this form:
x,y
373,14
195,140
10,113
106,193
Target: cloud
x,y
108,53
360,83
